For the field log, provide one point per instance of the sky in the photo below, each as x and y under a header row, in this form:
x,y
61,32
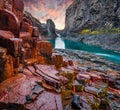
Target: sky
x,y
48,9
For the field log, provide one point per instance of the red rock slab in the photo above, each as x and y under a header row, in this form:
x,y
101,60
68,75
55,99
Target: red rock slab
x,y
6,34
63,79
28,73
31,68
67,70
115,92
16,89
48,70
46,101
25,35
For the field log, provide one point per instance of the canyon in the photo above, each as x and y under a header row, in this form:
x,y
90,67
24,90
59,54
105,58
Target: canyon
x,y
34,76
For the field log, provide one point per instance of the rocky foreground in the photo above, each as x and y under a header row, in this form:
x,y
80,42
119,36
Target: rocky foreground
x,y
88,59
23,92
28,91
33,76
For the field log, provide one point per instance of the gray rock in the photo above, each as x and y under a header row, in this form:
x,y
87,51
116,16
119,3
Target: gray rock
x,y
51,29
92,14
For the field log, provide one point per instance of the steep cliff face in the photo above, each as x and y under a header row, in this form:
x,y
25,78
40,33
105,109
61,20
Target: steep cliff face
x,y
92,14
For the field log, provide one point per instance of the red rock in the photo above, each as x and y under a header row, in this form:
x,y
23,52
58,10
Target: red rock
x,y
18,4
83,77
6,34
14,90
41,59
17,45
25,36
65,63
1,4
27,20
48,70
6,65
45,48
113,91
35,32
94,77
9,22
13,44
57,60
70,62
8,4
18,7
26,27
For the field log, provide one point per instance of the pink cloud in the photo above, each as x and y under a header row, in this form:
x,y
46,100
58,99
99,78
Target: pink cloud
x,y
45,9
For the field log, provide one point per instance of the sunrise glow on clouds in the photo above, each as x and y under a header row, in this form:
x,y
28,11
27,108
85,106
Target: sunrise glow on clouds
x,y
45,9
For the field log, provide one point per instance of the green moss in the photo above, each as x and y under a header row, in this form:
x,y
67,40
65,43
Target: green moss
x,y
79,88
106,30
69,86
95,32
66,93
86,31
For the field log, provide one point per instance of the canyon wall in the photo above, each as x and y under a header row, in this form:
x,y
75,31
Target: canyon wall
x,y
92,14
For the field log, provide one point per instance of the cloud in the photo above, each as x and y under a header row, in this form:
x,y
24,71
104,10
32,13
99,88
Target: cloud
x,y
45,9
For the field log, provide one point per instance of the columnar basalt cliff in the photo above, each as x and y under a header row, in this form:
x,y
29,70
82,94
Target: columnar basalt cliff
x,y
20,42
92,14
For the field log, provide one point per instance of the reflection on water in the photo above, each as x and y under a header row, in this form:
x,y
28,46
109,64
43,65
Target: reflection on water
x,y
59,43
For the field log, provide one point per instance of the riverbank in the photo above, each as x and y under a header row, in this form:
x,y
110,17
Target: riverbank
x,y
105,41
61,43
89,60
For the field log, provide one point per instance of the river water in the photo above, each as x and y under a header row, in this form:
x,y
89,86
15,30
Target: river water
x,y
60,43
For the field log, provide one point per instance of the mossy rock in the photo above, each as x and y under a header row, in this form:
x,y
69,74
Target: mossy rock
x,y
66,93
79,88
